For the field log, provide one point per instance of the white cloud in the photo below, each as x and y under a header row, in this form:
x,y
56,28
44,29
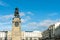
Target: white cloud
x,y
24,20
30,13
33,24
25,17
22,14
7,19
3,3
44,23
5,28
28,17
7,16
5,23
53,14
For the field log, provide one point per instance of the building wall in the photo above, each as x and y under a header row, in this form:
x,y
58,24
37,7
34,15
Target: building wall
x,y
45,34
57,31
36,35
49,33
31,35
53,32
3,35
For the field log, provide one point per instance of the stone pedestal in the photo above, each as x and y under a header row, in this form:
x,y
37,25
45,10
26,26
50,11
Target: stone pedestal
x,y
16,30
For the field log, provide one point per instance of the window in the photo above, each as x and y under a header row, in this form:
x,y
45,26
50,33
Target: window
x,y
0,38
35,39
26,38
30,38
39,38
22,39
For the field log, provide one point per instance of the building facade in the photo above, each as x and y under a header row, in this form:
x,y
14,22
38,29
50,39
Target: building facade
x,y
52,33
3,35
45,35
35,35
57,31
28,35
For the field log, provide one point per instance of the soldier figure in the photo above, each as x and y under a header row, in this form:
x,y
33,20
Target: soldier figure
x,y
16,13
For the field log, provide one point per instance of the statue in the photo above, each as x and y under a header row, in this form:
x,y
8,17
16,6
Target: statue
x,y
16,13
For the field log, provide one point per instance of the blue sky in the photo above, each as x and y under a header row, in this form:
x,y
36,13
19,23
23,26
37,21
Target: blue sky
x,y
35,14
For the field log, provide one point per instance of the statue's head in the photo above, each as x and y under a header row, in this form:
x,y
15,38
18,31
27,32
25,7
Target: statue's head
x,y
16,8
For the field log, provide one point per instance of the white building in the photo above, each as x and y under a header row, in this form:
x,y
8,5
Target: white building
x,y
52,32
3,35
28,35
57,30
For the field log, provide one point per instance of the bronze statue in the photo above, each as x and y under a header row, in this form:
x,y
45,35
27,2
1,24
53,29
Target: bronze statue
x,y
16,12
